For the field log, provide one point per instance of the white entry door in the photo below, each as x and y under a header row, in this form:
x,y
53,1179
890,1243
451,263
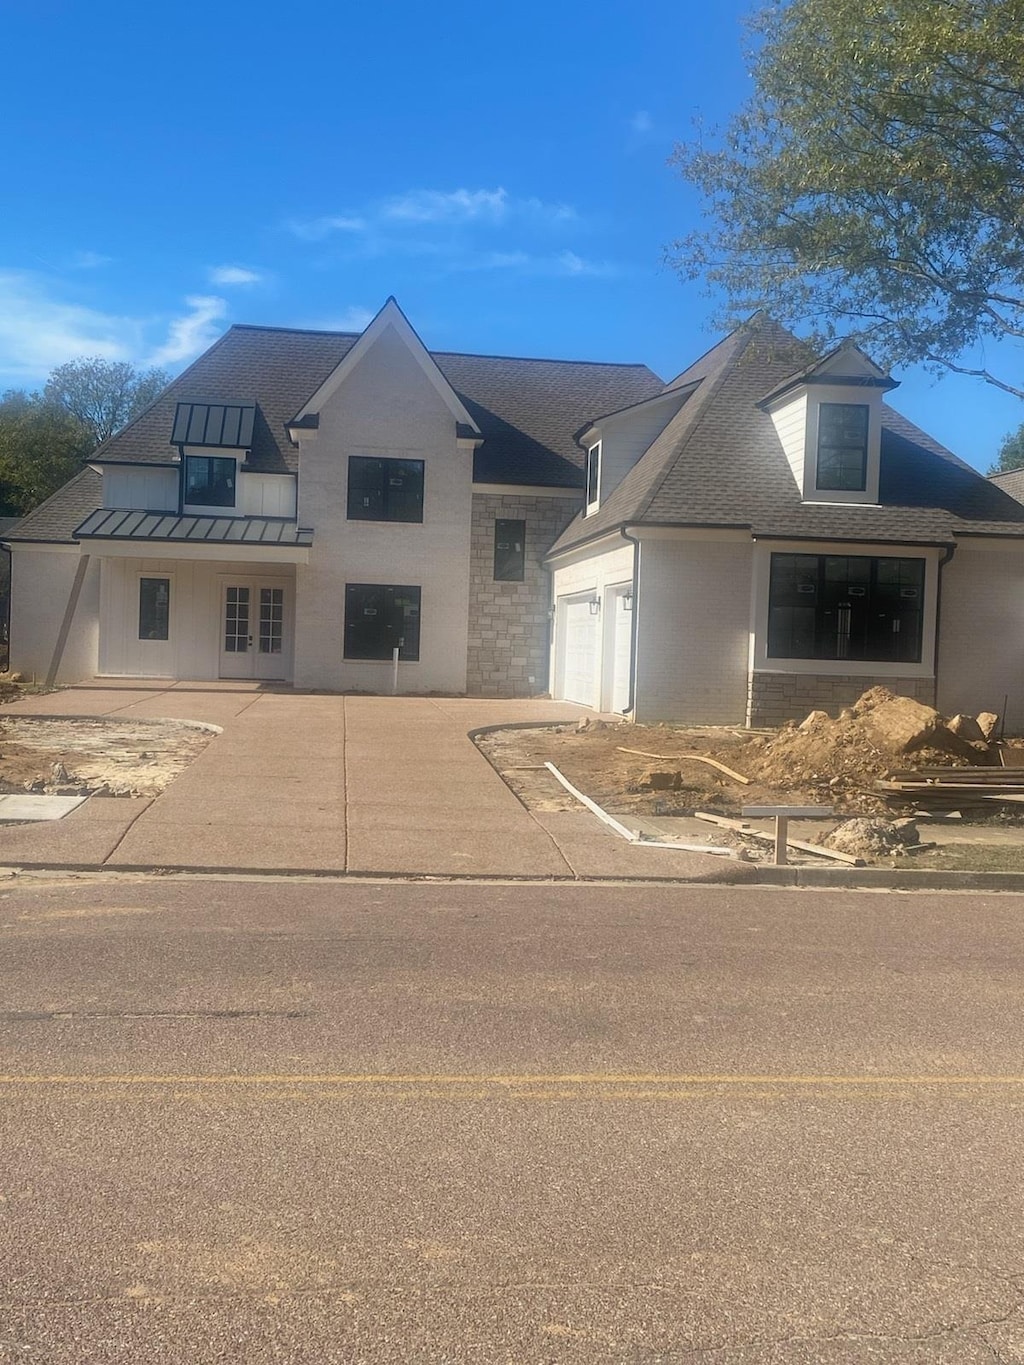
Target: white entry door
x,y
580,677
253,630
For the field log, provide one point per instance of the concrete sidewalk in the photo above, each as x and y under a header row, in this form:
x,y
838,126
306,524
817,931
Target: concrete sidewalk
x,y
332,784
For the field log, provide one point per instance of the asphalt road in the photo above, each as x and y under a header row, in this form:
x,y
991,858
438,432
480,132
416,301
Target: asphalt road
x,y
341,1123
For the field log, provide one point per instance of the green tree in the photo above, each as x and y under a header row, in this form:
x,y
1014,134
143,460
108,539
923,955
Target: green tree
x,y
41,447
874,183
1011,453
103,395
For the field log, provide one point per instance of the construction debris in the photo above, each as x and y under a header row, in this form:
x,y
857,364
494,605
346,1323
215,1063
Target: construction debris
x,y
935,788
748,831
690,758
873,838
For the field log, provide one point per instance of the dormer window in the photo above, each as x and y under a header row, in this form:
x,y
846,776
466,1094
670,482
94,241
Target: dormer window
x,y
593,476
209,481
842,447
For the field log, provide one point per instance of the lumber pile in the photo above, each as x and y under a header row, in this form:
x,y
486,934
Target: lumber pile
x,y
943,788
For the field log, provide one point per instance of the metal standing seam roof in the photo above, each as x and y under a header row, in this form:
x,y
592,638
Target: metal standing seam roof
x,y
112,524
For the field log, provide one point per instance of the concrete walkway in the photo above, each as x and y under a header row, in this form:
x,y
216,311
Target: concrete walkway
x,y
331,784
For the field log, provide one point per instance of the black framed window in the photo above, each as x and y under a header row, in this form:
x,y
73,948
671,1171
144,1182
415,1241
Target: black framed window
x,y
378,617
842,447
846,607
384,490
209,481
593,473
509,550
154,608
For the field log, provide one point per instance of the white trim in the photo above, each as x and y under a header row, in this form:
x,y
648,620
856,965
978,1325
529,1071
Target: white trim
x,y
389,316
672,396
237,551
760,662
592,505
528,490
46,546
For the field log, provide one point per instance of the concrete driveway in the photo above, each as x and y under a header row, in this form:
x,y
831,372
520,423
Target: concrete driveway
x,y
332,784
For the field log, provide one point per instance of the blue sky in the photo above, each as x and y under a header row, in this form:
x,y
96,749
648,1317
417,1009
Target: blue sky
x,y
501,169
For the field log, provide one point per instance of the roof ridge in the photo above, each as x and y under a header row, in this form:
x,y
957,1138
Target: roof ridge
x,y
470,355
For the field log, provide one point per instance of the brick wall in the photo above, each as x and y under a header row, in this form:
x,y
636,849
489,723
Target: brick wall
x,y
776,697
509,625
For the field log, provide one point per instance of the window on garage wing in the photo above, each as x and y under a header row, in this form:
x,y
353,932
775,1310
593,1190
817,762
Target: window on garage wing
x,y
509,550
593,474
209,481
846,607
384,490
842,447
154,608
379,616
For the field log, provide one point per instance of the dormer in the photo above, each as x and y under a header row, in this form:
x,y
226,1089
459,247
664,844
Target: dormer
x,y
829,421
213,440
615,442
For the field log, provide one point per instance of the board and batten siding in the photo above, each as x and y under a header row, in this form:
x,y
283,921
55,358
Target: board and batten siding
x,y
386,408
693,631
138,489
41,582
193,650
981,631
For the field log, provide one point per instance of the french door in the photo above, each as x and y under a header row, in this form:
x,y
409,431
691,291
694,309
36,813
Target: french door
x,y
253,629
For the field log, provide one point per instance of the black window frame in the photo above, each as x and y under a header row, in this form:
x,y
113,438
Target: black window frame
x,y
391,622
162,617
593,474
377,489
848,608
210,495
509,549
840,447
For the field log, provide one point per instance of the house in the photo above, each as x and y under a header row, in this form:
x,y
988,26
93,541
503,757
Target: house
x,y
758,537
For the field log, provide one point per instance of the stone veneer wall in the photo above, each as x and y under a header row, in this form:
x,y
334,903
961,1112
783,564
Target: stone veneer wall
x,y
773,698
509,623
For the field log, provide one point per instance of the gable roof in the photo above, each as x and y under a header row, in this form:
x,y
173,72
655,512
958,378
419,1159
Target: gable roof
x,y
526,410
53,521
720,463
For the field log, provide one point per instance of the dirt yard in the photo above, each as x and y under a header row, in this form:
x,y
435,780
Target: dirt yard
x,y
95,757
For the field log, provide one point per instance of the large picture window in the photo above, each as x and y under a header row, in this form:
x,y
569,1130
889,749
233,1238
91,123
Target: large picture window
x,y
154,608
384,490
209,481
846,607
509,550
379,617
842,447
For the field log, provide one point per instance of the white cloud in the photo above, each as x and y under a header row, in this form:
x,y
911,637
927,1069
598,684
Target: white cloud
x,y
193,332
455,206
565,263
89,260
38,331
316,229
641,122
234,274
568,263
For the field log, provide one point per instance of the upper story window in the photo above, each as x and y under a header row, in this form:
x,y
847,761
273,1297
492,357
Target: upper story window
x,y
384,490
209,481
846,607
593,475
842,447
509,551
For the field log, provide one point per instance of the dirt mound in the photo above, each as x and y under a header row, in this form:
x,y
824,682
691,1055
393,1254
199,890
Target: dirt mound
x,y
842,757
873,838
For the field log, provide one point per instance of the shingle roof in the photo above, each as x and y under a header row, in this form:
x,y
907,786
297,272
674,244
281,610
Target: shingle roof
x,y
54,520
719,462
526,409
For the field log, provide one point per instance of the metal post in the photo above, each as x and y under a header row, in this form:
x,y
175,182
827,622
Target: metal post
x,y
394,671
781,831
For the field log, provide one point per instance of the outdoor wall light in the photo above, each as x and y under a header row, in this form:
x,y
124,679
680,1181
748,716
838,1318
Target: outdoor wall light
x,y
627,601
595,606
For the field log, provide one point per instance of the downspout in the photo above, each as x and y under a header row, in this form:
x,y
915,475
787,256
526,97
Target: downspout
x,y
634,625
947,555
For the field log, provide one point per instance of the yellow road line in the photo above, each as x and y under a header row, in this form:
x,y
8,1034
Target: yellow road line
x,y
579,1081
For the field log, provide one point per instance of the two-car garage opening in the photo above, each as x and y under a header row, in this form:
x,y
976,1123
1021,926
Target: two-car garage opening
x,y
594,646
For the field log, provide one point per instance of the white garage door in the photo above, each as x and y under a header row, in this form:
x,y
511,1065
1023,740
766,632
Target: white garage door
x,y
580,653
